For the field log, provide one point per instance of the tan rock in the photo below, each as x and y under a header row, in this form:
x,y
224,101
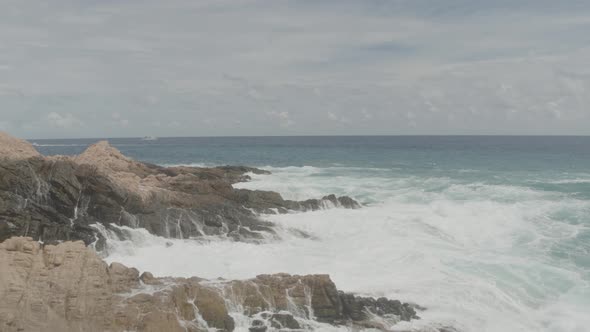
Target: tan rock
x,y
125,172
67,287
109,159
14,148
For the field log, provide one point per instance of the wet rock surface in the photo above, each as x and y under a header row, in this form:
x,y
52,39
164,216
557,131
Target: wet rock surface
x,y
279,299
58,198
67,287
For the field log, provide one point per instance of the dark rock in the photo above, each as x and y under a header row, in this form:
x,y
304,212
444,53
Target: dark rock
x,y
284,320
258,326
58,198
283,292
355,307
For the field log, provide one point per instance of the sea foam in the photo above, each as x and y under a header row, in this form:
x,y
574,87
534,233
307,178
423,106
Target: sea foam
x,y
479,256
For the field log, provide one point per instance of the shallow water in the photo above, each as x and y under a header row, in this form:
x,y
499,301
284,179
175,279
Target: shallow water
x,y
489,233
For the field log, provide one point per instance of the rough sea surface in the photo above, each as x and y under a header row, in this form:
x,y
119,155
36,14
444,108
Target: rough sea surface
x,y
488,233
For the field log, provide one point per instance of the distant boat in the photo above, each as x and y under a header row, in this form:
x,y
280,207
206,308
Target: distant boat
x,y
149,138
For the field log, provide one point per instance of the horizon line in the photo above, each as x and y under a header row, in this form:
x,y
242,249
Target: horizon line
x,y
293,136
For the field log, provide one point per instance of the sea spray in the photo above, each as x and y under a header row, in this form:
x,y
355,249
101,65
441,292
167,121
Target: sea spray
x,y
479,255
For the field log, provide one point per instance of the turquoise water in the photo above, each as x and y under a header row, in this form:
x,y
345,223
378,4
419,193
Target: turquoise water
x,y
490,233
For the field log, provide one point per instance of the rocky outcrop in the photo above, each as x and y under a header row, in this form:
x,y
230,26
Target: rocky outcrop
x,y
14,148
277,299
67,287
58,198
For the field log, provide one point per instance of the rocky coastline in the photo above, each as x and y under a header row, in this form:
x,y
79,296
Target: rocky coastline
x,y
67,287
58,198
52,278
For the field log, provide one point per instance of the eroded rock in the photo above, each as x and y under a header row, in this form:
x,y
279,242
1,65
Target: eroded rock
x,y
67,287
14,148
58,198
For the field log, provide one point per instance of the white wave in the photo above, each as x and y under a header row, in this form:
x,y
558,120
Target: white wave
x,y
56,145
477,255
462,261
570,181
378,185
188,165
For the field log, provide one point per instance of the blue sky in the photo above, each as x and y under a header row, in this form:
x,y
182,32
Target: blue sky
x,y
219,67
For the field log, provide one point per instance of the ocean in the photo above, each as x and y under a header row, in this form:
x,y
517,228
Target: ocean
x,y
489,233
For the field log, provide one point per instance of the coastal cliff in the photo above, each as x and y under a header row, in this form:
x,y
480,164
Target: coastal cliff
x,y
60,198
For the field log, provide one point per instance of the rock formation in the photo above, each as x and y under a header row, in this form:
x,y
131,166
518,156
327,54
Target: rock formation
x,y
67,287
14,148
48,283
58,198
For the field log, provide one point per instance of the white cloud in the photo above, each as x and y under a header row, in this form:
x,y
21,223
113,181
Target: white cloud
x,y
283,117
65,121
510,67
366,114
174,124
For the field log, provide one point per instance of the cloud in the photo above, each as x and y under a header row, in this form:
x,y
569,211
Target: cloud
x,y
118,120
123,122
65,121
174,124
337,67
338,119
283,118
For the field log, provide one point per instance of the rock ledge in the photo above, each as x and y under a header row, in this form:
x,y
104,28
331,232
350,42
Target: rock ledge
x,y
67,287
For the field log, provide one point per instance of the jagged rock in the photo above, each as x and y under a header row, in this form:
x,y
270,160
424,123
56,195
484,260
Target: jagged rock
x,y
148,279
14,148
67,287
58,198
284,320
212,307
297,294
358,308
270,202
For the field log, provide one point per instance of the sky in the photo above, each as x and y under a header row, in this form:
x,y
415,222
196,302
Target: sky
x,y
130,68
